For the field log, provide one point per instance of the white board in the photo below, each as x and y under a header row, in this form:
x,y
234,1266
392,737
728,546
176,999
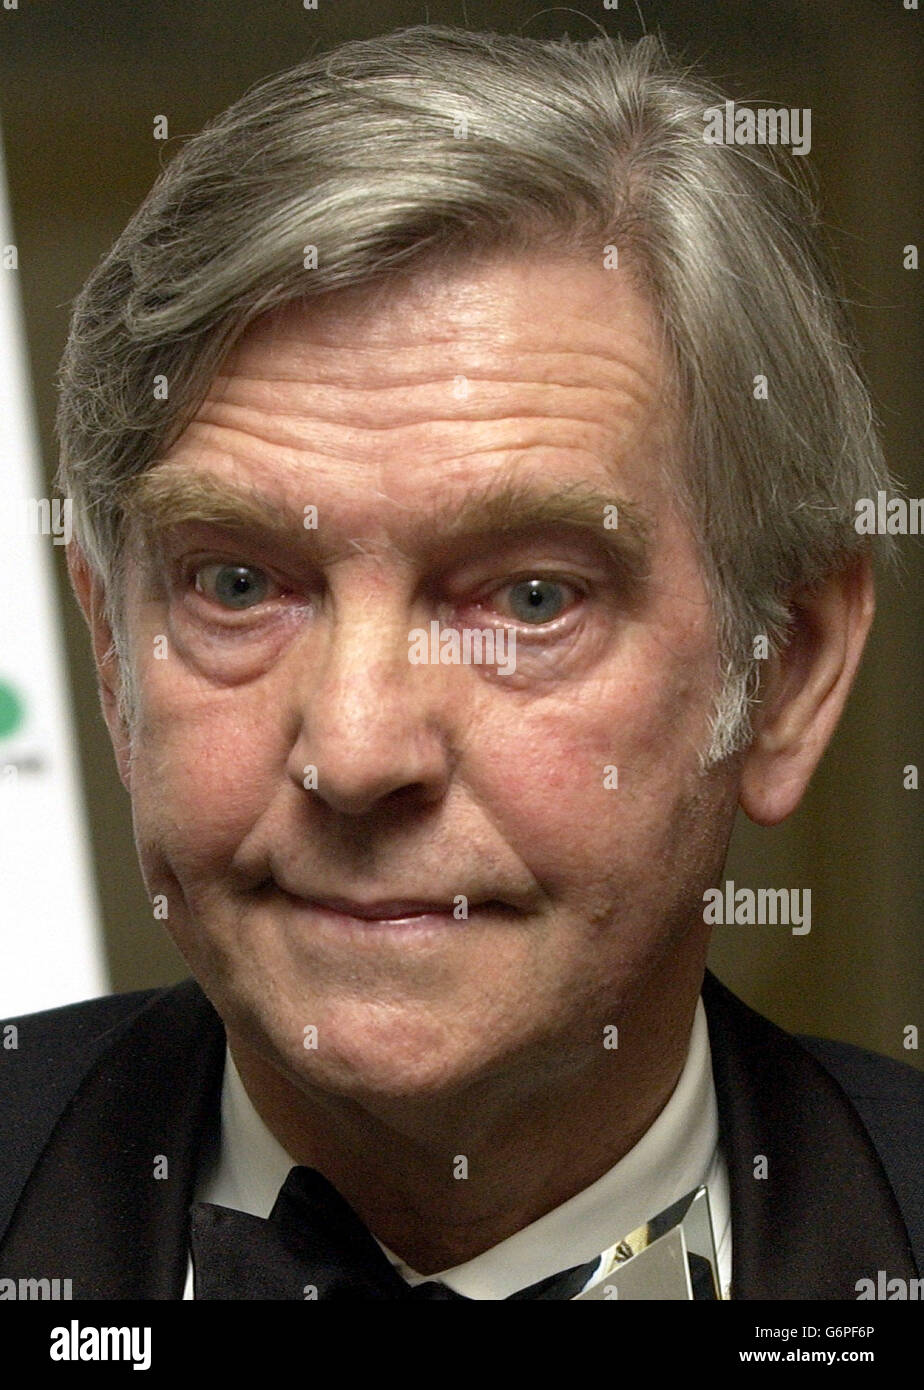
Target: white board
x,y
51,946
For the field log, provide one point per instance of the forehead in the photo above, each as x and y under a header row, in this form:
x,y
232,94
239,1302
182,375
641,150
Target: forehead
x,y
493,296
530,333
525,373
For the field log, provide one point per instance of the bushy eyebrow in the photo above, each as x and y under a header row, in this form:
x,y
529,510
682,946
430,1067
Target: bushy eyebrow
x,y
170,495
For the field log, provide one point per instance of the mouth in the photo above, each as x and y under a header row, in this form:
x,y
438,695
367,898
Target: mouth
x,y
422,916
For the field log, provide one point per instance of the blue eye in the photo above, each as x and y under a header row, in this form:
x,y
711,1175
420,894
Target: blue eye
x,y
233,586
537,600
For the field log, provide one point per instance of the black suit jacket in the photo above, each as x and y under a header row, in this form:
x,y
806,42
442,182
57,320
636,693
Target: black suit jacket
x,y
96,1094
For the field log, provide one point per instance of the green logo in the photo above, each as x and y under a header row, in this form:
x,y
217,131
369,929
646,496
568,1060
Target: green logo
x,y
12,710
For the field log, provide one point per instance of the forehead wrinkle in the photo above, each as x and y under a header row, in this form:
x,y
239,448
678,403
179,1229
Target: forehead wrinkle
x,y
497,303
610,356
317,434
301,360
289,395
391,404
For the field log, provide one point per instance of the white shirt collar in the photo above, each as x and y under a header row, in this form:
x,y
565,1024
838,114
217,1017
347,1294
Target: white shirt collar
x,y
679,1151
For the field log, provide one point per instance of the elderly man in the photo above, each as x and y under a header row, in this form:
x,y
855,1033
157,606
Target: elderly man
x,y
417,340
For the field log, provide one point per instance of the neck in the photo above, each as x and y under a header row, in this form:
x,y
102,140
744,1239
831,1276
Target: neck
x,y
525,1151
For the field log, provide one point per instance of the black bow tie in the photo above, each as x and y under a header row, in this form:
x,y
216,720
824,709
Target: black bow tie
x,y
313,1245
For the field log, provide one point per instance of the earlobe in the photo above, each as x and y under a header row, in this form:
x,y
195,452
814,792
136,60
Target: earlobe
x,y
805,690
90,595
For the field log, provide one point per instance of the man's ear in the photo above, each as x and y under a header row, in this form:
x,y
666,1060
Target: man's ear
x,y
804,691
90,594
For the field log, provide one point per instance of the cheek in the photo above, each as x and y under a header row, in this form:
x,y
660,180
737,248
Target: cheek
x,y
581,784
205,764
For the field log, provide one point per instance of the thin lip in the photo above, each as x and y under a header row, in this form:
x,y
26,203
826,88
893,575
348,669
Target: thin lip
x,y
387,910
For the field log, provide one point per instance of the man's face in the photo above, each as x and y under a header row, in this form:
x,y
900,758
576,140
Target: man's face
x,y
459,440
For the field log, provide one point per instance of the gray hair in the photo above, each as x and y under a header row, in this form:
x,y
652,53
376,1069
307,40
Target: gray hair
x,y
390,153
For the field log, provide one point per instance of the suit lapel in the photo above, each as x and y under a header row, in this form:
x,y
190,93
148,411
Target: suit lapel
x,y
107,1204
824,1216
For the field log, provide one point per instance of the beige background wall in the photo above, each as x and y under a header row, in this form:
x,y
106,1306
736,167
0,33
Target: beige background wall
x,y
80,86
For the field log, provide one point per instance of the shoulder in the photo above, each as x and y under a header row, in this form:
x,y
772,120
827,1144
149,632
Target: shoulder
x,y
73,1024
888,1095
869,1078
45,1056
794,1079
82,1084
889,1098
56,1042
45,1059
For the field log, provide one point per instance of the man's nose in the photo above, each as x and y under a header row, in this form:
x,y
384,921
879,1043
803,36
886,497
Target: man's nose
x,y
372,723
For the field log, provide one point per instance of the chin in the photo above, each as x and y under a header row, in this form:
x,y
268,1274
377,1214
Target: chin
x,y
367,1058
